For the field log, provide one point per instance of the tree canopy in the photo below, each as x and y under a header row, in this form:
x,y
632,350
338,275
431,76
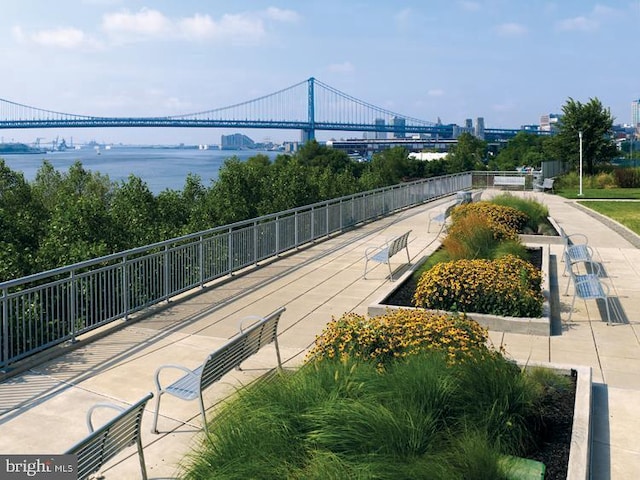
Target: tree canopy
x,y
596,124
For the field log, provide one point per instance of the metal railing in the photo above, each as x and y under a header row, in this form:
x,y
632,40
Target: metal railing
x,y
49,308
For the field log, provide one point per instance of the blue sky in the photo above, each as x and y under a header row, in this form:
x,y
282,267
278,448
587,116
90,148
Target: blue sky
x,y
508,61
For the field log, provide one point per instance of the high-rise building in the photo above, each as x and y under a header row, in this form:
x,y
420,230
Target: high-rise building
x,y
236,141
549,123
479,130
635,113
399,127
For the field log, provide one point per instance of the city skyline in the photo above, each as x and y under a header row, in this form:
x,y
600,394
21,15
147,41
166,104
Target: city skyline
x,y
507,62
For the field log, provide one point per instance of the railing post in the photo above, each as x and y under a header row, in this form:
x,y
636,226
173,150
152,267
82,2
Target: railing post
x,y
72,305
166,272
255,243
125,287
277,239
230,250
201,260
313,224
4,357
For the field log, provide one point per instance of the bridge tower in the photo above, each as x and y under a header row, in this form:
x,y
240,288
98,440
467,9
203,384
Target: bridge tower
x,y
309,133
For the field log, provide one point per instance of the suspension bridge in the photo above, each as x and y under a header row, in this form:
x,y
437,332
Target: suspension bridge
x,y
308,106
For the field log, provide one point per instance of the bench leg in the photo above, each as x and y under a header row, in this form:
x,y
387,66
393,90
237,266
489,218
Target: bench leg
x,y
390,272
154,426
366,263
204,415
143,467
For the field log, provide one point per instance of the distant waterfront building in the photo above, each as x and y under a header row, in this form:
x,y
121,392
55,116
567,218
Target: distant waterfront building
x,y
479,131
380,132
399,127
635,113
236,141
549,123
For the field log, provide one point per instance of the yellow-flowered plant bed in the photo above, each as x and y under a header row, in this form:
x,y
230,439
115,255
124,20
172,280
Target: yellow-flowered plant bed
x,y
506,222
400,333
506,286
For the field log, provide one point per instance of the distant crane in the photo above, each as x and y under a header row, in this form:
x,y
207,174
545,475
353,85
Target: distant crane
x,y
37,142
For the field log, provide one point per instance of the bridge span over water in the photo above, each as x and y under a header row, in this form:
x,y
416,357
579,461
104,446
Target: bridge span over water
x,y
308,106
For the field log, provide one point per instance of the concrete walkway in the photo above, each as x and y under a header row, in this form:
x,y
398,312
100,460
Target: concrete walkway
x,y
42,410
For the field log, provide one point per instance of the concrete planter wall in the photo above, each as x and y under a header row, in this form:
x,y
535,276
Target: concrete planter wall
x,y
579,453
526,325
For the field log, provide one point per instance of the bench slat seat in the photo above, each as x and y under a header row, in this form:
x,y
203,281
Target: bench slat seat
x,y
220,362
111,438
384,253
509,181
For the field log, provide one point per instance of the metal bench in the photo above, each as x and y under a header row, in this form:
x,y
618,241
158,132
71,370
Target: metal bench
x,y
509,181
229,356
111,438
587,285
576,249
441,217
383,254
547,184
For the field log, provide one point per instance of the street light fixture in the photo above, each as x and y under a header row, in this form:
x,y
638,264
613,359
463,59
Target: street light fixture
x,y
580,135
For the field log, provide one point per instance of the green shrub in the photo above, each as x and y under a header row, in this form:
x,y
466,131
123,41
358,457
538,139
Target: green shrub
x,y
627,177
604,180
505,286
471,236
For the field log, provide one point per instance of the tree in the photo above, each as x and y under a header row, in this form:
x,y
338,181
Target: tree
x,y
596,124
467,154
525,149
22,221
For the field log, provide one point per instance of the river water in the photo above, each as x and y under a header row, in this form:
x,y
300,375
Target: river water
x,y
160,168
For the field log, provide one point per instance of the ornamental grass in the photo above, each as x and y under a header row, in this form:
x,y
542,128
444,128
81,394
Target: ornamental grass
x,y
421,416
506,286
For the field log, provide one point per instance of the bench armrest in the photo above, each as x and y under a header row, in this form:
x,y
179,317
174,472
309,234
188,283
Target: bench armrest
x,y
255,318
174,366
100,405
371,251
584,238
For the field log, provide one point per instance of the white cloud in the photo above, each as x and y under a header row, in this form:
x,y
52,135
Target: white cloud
x,y
344,67
146,22
589,22
580,23
281,15
67,38
470,6
238,29
511,29
435,92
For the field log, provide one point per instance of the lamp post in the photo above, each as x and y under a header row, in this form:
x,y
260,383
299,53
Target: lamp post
x,y
580,136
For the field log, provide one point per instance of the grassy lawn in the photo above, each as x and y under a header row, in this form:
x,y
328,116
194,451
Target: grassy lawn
x,y
627,213
604,193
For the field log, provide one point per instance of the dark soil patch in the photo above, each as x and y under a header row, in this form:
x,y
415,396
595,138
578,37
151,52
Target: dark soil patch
x,y
555,427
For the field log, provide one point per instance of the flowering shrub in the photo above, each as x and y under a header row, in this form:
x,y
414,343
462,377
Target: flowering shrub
x,y
400,333
505,222
506,286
